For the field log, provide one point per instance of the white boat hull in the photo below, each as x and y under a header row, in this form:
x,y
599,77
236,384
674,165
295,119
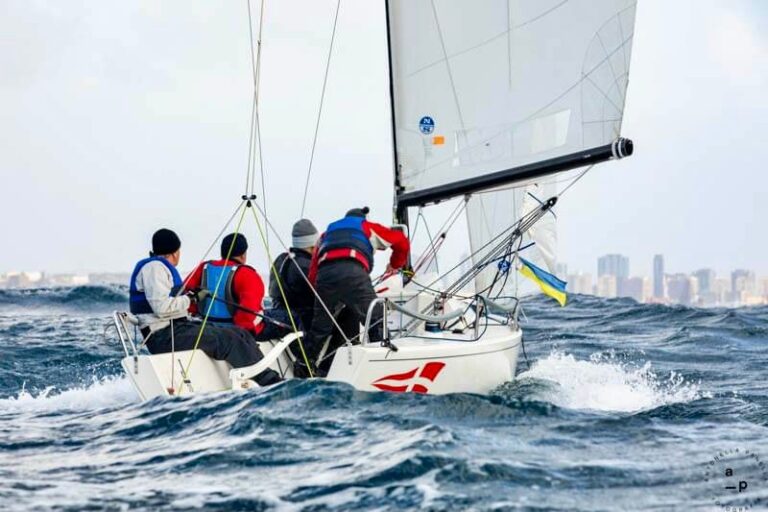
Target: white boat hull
x,y
431,365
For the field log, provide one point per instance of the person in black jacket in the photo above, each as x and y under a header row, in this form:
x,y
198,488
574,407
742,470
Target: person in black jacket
x,y
297,291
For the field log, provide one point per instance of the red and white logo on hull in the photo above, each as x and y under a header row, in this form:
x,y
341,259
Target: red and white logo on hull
x,y
414,380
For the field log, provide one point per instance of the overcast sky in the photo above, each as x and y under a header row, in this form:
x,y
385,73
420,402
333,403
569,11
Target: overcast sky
x,y
117,118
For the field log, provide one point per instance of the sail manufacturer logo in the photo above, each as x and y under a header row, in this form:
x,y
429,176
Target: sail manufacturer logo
x,y
426,125
413,381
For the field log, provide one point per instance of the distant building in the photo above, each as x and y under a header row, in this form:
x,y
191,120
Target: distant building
x,y
721,291
682,289
581,283
638,288
706,278
658,276
606,286
743,284
614,265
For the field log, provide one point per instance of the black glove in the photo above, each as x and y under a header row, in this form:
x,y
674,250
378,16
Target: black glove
x,y
198,295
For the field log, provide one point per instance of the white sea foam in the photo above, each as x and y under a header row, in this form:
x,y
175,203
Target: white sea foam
x,y
604,384
104,392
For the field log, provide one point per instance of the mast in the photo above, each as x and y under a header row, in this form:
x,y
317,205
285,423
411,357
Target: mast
x,y
401,213
619,148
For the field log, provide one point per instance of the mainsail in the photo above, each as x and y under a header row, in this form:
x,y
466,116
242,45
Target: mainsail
x,y
501,93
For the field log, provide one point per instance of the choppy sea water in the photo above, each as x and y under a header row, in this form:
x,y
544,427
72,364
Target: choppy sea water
x,y
624,407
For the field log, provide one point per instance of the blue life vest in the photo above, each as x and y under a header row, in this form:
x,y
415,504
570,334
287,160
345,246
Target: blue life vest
x,y
212,275
347,233
137,299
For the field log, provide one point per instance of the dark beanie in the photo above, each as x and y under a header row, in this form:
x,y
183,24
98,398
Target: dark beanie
x,y
165,241
239,247
358,212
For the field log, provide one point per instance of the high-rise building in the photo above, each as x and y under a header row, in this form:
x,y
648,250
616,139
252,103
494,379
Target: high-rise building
x,y
580,283
638,288
682,289
617,266
606,286
614,265
658,276
743,285
706,278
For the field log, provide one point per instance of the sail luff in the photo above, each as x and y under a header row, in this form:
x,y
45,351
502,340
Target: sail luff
x,y
400,213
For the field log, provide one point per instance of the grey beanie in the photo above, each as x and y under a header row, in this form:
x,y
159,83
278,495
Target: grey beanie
x,y
304,234
358,212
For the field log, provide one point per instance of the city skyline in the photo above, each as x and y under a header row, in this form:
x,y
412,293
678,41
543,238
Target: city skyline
x,y
702,286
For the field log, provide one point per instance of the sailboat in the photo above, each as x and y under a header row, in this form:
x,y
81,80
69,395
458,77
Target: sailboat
x,y
494,104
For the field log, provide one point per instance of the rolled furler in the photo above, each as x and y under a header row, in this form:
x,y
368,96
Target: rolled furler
x,y
619,148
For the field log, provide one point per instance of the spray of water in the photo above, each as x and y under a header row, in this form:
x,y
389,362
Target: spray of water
x,y
604,384
106,392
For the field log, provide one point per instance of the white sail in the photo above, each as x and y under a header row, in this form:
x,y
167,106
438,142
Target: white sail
x,y
492,212
491,85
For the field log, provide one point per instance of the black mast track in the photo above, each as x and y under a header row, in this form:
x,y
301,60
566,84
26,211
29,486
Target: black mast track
x,y
618,149
401,214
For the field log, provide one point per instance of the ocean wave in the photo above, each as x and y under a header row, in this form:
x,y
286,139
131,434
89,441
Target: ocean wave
x,y
100,393
76,296
605,384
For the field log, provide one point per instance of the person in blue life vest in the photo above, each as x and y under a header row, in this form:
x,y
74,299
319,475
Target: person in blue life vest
x,y
240,294
340,272
158,301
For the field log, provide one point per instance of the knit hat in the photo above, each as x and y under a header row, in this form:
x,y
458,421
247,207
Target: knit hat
x,y
239,247
304,234
164,242
358,212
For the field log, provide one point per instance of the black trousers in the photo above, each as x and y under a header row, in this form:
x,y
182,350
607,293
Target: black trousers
x,y
345,288
228,343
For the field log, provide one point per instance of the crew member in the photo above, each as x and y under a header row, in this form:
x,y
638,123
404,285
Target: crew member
x,y
340,270
155,299
240,292
292,268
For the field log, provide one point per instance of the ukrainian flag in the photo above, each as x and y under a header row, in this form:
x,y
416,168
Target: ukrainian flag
x,y
551,285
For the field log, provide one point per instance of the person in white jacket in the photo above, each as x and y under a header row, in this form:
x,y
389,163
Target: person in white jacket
x,y
157,300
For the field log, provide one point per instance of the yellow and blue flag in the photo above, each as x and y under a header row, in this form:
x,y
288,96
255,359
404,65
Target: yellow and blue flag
x,y
550,284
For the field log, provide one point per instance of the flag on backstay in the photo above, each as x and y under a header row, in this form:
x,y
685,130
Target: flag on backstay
x,y
550,284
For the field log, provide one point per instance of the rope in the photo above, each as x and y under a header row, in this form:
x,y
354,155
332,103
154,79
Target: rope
x,y
320,110
275,273
213,298
577,178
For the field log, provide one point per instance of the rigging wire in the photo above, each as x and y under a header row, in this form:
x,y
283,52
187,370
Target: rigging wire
x,y
279,282
254,144
213,244
320,109
306,279
185,371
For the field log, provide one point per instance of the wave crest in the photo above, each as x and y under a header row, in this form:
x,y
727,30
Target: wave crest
x,y
605,384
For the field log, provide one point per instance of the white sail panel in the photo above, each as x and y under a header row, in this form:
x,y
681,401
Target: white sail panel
x,y
491,85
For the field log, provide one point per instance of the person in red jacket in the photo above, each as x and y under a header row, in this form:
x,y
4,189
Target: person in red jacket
x,y
240,291
340,268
